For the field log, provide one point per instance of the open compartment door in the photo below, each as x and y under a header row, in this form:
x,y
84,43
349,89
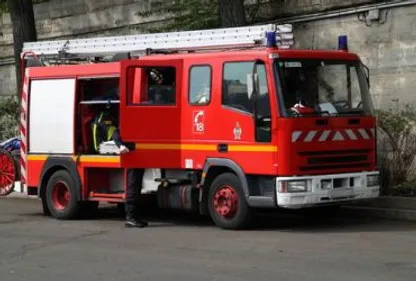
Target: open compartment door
x,y
150,114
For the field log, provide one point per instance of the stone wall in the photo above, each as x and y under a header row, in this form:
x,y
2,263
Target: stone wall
x,y
388,48
58,19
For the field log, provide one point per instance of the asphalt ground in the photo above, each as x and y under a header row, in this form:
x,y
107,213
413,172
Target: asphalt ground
x,y
180,247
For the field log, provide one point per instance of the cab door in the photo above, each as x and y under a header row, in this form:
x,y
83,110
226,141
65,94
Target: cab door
x,y
150,112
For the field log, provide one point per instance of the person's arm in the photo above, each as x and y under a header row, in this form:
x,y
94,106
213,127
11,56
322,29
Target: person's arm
x,y
116,138
119,142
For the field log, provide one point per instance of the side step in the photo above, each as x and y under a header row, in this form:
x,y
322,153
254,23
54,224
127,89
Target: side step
x,y
173,181
117,197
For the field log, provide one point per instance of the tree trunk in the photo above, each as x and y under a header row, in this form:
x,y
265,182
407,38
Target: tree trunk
x,y
24,30
232,13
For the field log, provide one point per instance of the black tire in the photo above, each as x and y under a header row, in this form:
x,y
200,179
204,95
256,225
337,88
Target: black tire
x,y
72,207
241,217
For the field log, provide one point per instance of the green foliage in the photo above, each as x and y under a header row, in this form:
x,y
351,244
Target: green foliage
x,y
192,14
406,189
3,4
9,118
185,15
397,149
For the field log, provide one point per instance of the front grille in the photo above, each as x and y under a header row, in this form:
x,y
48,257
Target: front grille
x,y
335,159
334,152
334,167
338,159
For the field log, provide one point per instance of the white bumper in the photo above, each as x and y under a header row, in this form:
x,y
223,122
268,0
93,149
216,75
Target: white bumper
x,y
345,187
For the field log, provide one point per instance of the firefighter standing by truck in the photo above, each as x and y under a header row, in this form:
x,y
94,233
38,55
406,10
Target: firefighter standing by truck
x,y
105,129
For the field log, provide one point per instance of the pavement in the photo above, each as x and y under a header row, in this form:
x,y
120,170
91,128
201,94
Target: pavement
x,y
180,247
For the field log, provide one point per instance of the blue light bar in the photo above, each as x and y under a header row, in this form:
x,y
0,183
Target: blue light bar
x,y
271,39
343,43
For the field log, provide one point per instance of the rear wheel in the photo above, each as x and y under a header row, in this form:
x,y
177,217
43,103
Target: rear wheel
x,y
8,171
227,204
61,196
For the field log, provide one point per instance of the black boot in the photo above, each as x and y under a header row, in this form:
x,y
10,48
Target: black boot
x,y
132,222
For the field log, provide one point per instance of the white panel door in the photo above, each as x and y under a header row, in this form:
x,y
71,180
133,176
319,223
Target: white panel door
x,y
51,116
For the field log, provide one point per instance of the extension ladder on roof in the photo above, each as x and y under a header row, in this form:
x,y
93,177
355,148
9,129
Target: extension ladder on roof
x,y
183,40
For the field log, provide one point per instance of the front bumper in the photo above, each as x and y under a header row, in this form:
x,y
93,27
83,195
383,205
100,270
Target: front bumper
x,y
353,187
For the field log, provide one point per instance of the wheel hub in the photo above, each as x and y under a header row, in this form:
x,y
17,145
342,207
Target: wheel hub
x,y
7,174
60,195
226,201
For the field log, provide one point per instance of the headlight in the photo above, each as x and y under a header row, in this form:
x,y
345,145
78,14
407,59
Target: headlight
x,y
293,186
373,180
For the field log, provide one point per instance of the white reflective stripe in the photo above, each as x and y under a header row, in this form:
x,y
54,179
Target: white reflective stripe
x,y
310,136
364,134
338,137
23,171
23,154
324,135
24,105
22,137
351,134
296,135
373,131
25,86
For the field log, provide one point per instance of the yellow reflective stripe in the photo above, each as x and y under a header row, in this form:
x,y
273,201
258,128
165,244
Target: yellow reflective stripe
x,y
206,147
176,146
94,133
84,159
252,148
37,157
98,159
110,132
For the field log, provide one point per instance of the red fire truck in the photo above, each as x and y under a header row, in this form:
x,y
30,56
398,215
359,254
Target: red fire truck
x,y
240,121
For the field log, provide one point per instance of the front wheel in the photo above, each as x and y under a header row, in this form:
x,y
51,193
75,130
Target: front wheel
x,y
61,196
227,204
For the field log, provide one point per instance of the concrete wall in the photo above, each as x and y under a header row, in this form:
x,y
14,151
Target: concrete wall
x,y
389,48
75,18
281,8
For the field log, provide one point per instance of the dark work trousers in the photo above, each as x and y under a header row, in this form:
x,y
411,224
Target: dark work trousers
x,y
133,191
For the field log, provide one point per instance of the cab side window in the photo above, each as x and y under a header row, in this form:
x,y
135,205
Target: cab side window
x,y
152,86
237,93
200,85
237,89
161,86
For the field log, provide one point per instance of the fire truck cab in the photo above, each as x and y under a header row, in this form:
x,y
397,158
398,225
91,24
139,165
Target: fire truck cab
x,y
221,131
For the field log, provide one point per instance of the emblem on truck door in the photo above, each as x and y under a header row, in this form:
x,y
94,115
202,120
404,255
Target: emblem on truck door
x,y
237,131
199,121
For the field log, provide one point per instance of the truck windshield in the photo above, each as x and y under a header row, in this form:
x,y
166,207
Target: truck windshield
x,y
322,87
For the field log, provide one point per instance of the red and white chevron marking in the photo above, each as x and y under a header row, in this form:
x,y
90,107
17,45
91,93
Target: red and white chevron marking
x,y
23,131
333,135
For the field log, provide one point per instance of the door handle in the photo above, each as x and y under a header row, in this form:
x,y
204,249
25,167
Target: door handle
x,y
222,147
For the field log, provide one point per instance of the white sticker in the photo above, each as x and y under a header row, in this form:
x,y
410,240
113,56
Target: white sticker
x,y
290,64
189,164
199,121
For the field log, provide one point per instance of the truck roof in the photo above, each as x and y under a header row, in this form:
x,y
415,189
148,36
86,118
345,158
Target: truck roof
x,y
113,68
